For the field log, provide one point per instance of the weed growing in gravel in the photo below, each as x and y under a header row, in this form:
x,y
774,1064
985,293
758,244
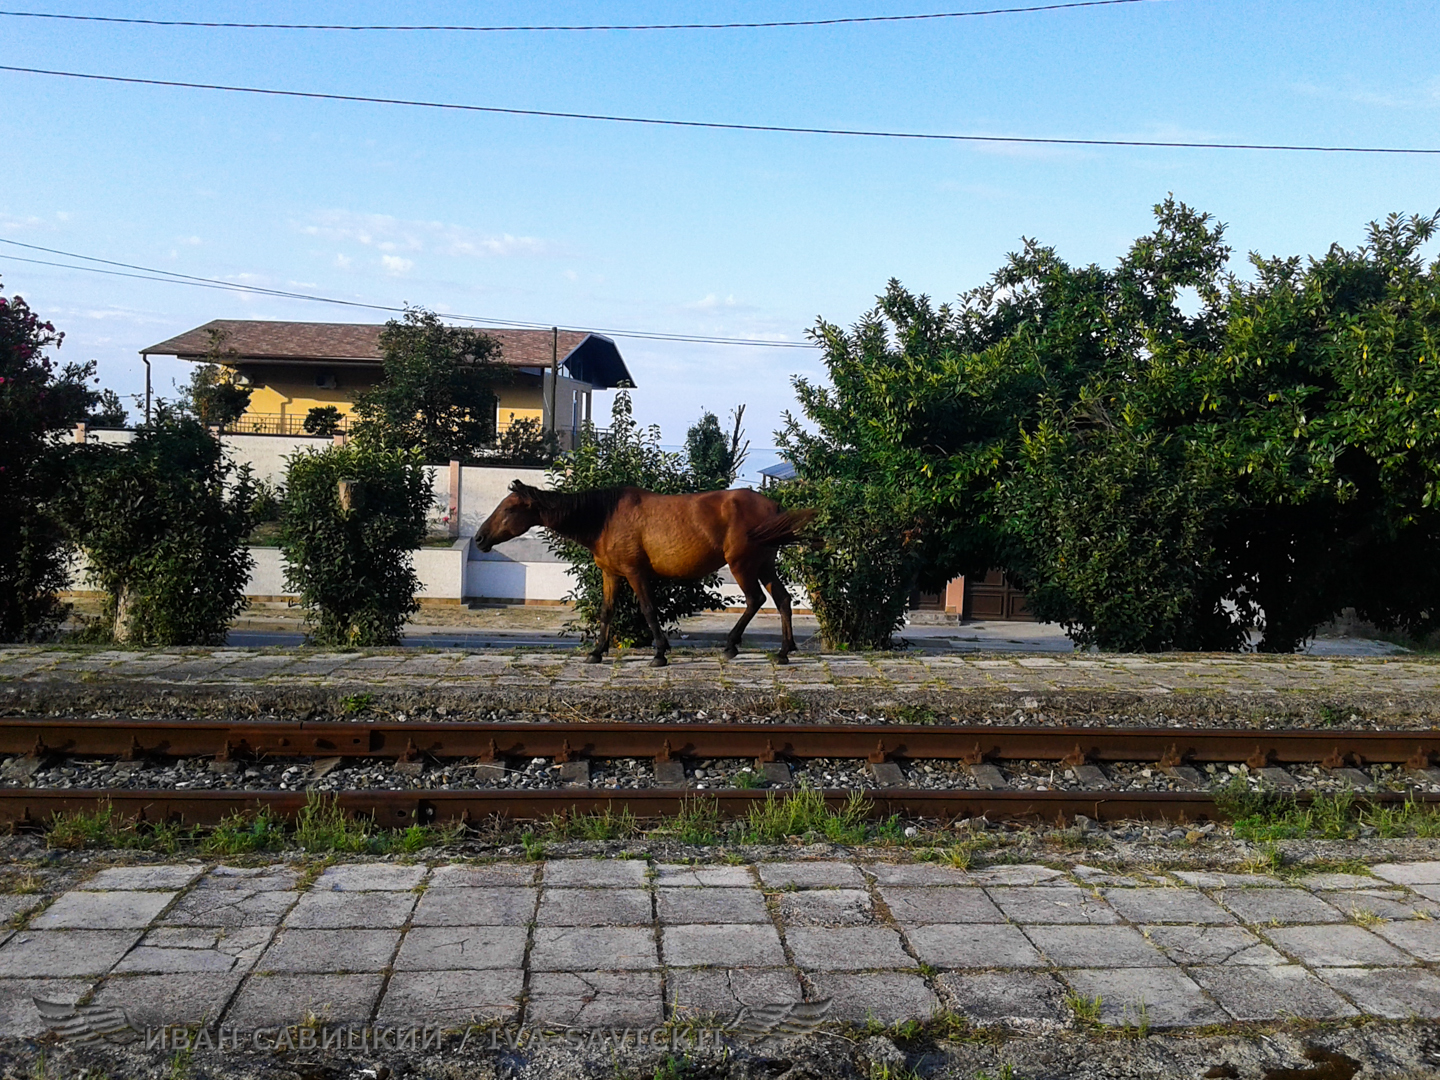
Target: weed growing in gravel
x,y
805,814
748,778
105,828
698,822
601,825
356,703
533,845
241,833
322,826
1266,859
1086,1009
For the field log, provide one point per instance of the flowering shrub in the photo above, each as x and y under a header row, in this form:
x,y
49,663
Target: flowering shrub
x,y
37,402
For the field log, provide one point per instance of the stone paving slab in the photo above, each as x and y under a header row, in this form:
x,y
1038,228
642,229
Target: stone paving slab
x,y
327,910
1012,998
459,999
978,946
476,906
915,905
379,943
1264,993
595,907
159,1000
1158,997
722,992
276,1000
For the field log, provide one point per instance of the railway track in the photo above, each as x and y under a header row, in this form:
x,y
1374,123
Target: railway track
x,y
883,751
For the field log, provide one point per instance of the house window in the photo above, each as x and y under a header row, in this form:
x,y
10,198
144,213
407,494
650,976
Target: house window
x,y
326,381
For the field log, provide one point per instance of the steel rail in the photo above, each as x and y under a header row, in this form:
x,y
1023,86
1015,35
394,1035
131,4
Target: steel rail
x,y
563,740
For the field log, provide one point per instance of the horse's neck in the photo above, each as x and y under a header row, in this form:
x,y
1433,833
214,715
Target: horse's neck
x,y
559,524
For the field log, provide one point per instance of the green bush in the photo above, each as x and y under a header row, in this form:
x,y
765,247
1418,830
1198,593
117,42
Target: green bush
x,y
37,403
163,521
323,420
526,442
352,566
627,454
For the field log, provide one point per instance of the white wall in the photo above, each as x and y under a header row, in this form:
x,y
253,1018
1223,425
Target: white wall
x,y
482,487
266,454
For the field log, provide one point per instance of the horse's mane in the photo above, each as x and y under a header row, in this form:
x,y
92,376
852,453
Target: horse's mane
x,y
578,515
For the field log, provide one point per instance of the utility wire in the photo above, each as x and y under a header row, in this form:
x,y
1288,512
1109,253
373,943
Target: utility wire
x,y
170,277
715,126
616,26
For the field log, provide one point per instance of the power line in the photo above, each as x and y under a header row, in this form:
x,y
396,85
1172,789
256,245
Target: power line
x,y
170,277
615,26
715,126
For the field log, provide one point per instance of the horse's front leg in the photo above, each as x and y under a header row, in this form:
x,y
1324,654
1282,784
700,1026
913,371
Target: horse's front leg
x,y
609,584
641,584
754,597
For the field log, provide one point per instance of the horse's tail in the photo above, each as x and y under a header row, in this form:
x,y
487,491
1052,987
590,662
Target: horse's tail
x,y
781,529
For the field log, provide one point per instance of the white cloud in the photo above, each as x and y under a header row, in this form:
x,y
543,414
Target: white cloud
x,y
190,241
343,261
18,224
395,265
391,234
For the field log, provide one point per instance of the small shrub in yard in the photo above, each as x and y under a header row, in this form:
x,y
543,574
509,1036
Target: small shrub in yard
x,y
352,517
163,521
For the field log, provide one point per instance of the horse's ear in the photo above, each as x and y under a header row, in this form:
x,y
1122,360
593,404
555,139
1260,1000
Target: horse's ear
x,y
524,490
516,485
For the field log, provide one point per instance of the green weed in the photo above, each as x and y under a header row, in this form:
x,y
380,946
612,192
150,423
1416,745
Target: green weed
x,y
1086,1009
321,826
241,833
601,825
698,821
533,845
356,703
806,815
748,778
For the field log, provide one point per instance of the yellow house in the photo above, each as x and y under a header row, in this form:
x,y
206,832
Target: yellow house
x,y
294,367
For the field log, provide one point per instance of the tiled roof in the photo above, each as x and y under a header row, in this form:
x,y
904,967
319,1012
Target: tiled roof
x,y
263,340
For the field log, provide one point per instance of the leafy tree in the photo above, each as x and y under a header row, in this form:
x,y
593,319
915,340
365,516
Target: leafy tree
x,y
108,411
213,396
1162,454
526,442
38,401
162,521
352,517
715,459
627,454
323,420
437,394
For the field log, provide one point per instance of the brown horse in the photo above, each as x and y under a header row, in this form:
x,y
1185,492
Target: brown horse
x,y
637,536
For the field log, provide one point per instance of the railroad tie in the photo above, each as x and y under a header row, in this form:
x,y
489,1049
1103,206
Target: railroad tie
x,y
989,777
1277,778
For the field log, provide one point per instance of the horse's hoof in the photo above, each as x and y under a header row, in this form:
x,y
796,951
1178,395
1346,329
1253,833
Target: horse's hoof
x,y
659,661
730,652
594,658
782,658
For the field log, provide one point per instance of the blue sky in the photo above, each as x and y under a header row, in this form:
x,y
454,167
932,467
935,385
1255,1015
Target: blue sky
x,y
697,232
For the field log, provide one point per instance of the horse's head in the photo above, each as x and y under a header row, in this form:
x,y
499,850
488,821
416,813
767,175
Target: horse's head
x,y
516,514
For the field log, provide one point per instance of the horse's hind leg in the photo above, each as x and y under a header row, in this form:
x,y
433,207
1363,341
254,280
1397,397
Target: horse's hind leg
x,y
641,584
782,601
754,597
609,584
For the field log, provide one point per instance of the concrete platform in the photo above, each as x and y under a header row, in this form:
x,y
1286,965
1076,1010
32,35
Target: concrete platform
x,y
641,943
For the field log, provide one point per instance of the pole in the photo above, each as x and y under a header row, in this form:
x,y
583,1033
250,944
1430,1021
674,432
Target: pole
x,y
146,359
554,376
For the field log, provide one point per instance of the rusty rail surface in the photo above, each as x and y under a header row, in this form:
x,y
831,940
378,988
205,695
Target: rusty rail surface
x,y
562,741
34,806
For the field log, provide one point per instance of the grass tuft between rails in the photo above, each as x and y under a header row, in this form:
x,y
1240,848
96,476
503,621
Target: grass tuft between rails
x,y
322,827
1262,815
